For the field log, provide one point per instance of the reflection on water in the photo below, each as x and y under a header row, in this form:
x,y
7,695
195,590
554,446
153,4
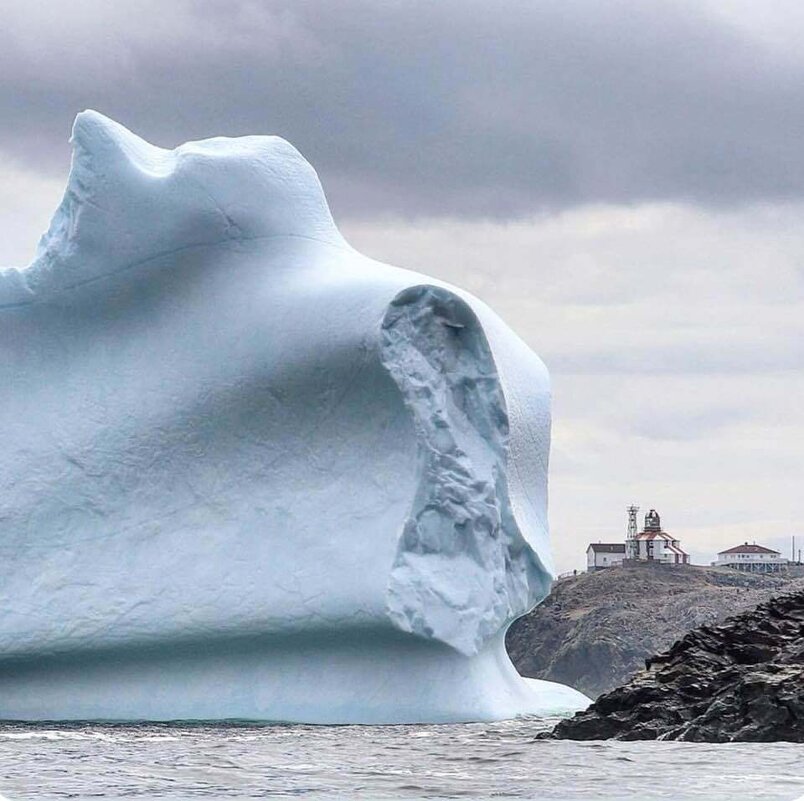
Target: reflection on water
x,y
499,760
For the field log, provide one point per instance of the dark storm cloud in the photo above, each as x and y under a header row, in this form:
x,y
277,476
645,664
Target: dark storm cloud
x,y
453,107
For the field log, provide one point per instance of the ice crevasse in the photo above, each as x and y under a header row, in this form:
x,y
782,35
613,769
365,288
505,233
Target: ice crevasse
x,y
248,472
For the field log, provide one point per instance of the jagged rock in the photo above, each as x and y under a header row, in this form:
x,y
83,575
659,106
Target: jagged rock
x,y
742,681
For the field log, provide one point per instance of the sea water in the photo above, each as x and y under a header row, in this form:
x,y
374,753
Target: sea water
x,y
467,761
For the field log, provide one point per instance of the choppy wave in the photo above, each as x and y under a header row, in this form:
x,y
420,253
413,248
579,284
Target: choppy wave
x,y
469,761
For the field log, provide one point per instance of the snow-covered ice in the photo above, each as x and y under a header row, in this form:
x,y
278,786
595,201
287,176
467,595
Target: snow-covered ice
x,y
248,472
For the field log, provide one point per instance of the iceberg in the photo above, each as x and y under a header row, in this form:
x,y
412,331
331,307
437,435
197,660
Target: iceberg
x,y
250,473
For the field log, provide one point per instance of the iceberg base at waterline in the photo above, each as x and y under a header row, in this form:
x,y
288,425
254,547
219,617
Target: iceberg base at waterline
x,y
327,679
248,472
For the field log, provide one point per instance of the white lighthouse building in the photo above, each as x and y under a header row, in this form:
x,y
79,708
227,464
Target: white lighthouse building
x,y
654,545
649,545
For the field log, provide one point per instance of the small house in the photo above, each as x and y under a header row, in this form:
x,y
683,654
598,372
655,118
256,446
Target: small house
x,y
604,554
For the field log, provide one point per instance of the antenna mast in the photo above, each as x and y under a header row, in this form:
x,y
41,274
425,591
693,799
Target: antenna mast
x,y
631,544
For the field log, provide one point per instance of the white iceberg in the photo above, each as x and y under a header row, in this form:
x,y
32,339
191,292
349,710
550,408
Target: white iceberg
x,y
246,471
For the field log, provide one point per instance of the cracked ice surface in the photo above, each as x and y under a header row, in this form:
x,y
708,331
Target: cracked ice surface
x,y
249,473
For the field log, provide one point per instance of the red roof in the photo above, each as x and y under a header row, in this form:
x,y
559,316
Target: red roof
x,y
750,549
654,535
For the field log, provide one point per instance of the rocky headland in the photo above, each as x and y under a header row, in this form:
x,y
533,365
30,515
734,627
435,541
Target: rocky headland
x,y
595,630
741,681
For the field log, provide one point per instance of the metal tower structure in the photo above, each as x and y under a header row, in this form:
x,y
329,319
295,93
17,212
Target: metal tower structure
x,y
631,546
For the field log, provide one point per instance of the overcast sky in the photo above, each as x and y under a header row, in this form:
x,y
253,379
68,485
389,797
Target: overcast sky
x,y
622,180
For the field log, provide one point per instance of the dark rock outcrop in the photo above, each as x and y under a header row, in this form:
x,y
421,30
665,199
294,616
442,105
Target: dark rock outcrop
x,y
742,681
595,630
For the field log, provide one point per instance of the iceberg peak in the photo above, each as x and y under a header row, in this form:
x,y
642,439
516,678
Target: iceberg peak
x,y
128,202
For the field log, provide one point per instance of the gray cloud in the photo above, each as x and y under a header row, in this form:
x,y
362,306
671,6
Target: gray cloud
x,y
714,358
458,108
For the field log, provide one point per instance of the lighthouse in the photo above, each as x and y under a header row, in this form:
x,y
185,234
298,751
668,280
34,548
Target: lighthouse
x,y
655,545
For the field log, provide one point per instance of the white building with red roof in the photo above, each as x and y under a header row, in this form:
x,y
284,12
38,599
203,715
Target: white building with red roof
x,y
752,558
654,545
650,545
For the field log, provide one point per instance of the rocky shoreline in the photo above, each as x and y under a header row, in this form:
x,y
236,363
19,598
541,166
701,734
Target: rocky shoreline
x,y
742,681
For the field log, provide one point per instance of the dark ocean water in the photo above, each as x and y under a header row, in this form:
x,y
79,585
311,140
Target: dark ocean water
x,y
482,761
